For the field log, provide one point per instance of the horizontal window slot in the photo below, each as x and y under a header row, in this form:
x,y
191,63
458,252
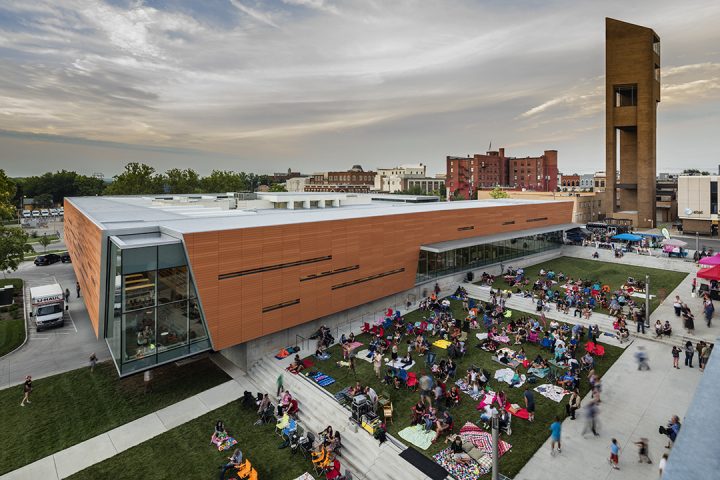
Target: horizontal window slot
x,y
462,229
367,279
539,219
270,268
280,305
314,276
511,222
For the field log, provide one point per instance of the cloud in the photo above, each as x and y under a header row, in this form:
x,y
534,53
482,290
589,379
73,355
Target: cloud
x,y
258,15
321,5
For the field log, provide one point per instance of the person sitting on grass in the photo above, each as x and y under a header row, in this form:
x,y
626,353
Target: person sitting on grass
x,y
418,412
234,461
429,418
442,425
453,396
459,455
219,434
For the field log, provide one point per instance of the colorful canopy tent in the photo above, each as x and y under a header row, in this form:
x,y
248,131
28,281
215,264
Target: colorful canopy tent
x,y
714,260
674,242
712,273
628,237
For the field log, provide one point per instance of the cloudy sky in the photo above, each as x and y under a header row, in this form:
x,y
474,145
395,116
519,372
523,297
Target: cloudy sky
x,y
319,84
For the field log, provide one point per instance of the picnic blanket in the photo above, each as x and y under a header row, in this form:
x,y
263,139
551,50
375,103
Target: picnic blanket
x,y
461,471
442,344
363,355
481,336
482,439
538,372
516,411
285,352
464,387
352,346
510,351
398,364
226,443
322,379
511,361
418,436
553,392
501,338
506,375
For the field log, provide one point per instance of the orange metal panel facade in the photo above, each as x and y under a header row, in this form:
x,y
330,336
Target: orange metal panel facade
x,y
84,243
282,276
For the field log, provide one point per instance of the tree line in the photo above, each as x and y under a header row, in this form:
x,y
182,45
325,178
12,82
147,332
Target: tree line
x,y
136,179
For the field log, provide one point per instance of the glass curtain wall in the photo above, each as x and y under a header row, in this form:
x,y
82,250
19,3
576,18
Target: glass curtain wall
x,y
432,265
153,315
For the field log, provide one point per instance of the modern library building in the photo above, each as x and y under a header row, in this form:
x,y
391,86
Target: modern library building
x,y
169,276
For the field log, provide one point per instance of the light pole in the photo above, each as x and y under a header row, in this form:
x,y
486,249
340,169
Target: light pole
x,y
647,301
697,242
495,433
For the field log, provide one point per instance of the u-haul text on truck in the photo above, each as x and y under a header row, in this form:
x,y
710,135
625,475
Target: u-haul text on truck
x,y
48,306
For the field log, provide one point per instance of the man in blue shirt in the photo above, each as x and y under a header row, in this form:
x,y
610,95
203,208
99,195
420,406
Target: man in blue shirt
x,y
234,461
555,431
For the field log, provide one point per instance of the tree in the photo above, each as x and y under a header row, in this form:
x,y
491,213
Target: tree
x,y
694,171
220,181
13,246
498,192
44,241
278,187
137,179
182,181
459,195
43,200
7,193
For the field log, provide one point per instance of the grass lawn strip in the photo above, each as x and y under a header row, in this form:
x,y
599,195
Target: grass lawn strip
x,y
184,452
12,319
662,282
526,437
74,406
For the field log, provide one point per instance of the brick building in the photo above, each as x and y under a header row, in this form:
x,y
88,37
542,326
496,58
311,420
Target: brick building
x,y
466,175
355,180
570,182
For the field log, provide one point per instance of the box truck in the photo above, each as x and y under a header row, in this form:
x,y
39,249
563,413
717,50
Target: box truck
x,y
48,306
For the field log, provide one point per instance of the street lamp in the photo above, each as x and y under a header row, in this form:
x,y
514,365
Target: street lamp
x,y
495,422
647,301
697,242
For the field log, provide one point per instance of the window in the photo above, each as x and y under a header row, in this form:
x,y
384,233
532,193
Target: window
x,y
713,197
625,95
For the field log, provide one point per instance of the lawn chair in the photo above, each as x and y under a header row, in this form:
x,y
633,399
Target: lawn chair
x,y
365,328
253,475
430,359
306,444
388,412
293,408
590,347
412,380
333,473
599,350
402,374
243,470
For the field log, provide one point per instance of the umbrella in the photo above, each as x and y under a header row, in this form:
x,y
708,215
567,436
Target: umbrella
x,y
627,236
674,242
714,260
710,273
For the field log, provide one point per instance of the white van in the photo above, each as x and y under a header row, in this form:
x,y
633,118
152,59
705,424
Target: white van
x,y
36,213
48,306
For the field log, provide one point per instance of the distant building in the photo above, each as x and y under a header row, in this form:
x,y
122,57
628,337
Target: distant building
x,y
599,182
283,177
296,184
466,175
355,180
98,175
406,178
666,205
587,181
697,203
570,182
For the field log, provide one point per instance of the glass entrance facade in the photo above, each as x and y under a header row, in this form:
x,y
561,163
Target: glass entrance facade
x,y
432,265
153,314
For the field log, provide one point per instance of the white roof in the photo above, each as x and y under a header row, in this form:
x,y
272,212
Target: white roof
x,y
46,290
132,212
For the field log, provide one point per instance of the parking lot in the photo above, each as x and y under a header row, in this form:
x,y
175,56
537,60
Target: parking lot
x,y
53,350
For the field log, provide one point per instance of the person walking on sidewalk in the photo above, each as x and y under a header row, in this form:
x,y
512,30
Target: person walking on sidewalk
x,y
689,354
677,306
27,390
705,356
591,412
642,359
67,295
574,404
77,289
676,357
708,309
643,456
93,361
614,454
555,432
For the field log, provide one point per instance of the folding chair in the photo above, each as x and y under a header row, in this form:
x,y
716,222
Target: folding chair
x,y
253,475
402,375
599,350
365,328
243,470
590,347
412,380
388,412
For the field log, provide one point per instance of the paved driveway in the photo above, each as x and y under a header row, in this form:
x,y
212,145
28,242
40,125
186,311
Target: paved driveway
x,y
55,350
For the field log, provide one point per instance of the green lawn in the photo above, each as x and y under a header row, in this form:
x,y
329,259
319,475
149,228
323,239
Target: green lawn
x,y
526,437
77,405
12,320
662,282
184,452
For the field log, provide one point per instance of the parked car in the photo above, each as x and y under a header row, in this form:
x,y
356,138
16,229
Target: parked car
x,y
65,258
26,214
44,212
36,213
53,212
47,259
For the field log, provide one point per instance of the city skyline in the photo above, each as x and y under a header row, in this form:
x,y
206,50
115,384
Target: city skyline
x,y
318,85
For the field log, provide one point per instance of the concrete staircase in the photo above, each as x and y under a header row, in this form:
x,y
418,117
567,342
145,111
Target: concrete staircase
x,y
361,453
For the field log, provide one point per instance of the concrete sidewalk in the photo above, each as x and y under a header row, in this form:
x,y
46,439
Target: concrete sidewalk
x,y
94,450
634,404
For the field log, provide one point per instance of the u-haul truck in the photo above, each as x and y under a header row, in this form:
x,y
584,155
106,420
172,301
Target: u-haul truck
x,y
48,306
